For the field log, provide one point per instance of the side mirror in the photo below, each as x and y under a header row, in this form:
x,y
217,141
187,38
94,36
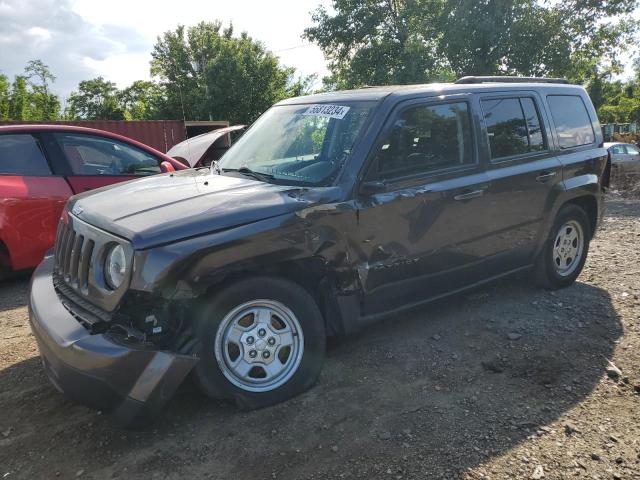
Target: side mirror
x,y
166,167
372,187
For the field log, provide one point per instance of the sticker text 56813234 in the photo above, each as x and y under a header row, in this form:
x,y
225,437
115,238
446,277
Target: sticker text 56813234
x,y
324,110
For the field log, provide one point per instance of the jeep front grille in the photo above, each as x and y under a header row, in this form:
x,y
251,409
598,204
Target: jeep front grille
x,y
73,255
78,273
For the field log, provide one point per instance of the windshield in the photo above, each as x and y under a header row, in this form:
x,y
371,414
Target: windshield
x,y
299,144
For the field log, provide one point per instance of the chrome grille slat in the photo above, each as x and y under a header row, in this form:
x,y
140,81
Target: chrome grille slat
x,y
85,261
75,258
66,267
63,249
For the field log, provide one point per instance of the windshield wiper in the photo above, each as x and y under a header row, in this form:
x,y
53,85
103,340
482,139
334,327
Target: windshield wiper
x,y
263,177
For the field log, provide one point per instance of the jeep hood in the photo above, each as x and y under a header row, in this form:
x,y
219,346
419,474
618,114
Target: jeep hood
x,y
166,208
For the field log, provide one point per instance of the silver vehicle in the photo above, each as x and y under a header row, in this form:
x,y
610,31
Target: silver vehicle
x,y
624,156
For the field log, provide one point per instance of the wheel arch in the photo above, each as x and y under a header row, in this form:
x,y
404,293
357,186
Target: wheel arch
x,y
311,273
589,204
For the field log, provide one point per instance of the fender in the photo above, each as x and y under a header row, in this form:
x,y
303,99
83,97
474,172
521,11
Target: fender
x,y
580,186
308,247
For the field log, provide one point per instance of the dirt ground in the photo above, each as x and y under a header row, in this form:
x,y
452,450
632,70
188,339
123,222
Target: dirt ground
x,y
508,381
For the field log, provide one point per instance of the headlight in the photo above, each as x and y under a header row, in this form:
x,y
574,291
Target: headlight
x,y
115,267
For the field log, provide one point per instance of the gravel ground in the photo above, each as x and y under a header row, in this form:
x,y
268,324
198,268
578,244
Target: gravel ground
x,y
505,382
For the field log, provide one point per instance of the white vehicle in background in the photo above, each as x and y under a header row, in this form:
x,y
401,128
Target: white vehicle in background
x,y
625,157
201,150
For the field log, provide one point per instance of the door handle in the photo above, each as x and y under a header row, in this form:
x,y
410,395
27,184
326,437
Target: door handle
x,y
470,195
545,176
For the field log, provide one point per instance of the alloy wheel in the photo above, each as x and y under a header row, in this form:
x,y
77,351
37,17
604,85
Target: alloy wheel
x,y
568,248
259,345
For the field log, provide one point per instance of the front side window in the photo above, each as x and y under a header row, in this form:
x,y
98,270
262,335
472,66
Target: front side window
x,y
631,150
572,121
21,154
425,139
299,144
618,150
94,155
513,126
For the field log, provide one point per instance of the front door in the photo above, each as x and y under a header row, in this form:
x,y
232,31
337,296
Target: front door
x,y
419,235
93,161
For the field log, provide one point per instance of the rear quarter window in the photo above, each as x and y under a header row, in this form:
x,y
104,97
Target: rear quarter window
x,y
570,116
21,154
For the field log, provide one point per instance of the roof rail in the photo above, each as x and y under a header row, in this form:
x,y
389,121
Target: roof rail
x,y
498,79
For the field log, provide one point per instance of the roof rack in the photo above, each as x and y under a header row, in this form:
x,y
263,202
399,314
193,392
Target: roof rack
x,y
498,79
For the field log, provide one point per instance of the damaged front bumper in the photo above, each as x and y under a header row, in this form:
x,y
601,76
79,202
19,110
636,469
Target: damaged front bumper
x,y
93,369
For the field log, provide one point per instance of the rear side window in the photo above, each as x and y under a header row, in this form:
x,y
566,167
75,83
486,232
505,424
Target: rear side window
x,y
513,126
21,154
631,150
572,121
425,139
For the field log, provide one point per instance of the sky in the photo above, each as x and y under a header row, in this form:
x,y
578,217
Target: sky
x,y
81,39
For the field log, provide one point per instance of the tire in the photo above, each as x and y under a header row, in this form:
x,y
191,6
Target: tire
x,y
559,263
243,320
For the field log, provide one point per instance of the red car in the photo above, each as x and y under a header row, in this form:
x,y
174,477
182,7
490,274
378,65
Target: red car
x,y
41,166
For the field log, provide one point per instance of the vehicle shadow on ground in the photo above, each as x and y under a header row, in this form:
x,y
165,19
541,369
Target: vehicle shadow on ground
x,y
425,394
14,292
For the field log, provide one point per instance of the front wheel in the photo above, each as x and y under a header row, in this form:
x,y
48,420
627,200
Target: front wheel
x,y
261,341
565,251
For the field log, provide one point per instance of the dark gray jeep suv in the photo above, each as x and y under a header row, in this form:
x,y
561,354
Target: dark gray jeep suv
x,y
332,211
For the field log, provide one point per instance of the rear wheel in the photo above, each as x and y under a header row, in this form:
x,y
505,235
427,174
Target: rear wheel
x,y
261,341
565,251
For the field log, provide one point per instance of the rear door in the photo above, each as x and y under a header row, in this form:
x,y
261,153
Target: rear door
x,y
419,236
92,161
523,170
31,199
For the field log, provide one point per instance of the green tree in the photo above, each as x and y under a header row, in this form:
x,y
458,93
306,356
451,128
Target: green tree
x,y
377,42
411,41
5,95
44,105
142,100
95,99
619,101
19,99
208,73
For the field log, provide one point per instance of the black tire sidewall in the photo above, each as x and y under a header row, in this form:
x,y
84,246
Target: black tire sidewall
x,y
208,374
566,213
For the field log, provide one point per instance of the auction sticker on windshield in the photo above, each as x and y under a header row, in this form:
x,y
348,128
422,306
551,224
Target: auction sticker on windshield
x,y
324,110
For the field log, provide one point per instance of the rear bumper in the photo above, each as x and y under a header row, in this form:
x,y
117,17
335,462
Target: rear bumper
x,y
132,383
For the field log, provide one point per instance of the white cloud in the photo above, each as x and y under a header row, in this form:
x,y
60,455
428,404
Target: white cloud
x,y
81,39
51,31
39,33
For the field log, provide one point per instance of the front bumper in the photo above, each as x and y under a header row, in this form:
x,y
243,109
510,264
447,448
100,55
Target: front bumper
x,y
132,383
